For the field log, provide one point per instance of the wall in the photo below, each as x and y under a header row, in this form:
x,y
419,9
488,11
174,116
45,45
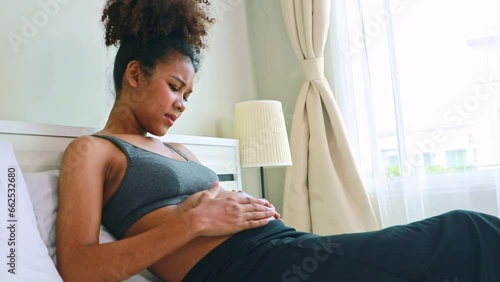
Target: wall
x,y
278,73
56,69
54,64
226,77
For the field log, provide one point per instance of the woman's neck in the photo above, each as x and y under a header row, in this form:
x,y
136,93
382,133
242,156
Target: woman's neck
x,y
122,120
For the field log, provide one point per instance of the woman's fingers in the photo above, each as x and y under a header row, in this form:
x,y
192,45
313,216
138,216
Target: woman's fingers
x,y
251,200
251,205
250,210
255,223
254,207
220,214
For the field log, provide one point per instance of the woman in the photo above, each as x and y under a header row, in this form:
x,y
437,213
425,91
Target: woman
x,y
169,213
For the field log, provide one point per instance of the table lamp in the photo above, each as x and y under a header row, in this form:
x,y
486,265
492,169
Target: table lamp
x,y
260,128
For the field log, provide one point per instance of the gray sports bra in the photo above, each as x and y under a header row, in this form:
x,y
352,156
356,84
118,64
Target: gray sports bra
x,y
151,181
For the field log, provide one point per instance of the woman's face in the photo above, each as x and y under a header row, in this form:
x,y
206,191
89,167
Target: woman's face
x,y
164,94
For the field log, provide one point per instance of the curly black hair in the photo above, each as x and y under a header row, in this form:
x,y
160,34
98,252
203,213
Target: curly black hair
x,y
148,30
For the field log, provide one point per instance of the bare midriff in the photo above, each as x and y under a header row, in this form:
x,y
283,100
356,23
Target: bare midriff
x,y
176,265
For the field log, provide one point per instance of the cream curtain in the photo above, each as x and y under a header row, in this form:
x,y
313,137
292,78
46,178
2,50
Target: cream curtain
x,y
323,193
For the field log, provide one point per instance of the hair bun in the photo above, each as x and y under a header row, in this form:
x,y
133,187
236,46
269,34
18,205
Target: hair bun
x,y
147,20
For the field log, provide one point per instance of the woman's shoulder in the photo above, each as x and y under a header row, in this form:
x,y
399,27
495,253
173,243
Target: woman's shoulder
x,y
86,156
88,146
86,143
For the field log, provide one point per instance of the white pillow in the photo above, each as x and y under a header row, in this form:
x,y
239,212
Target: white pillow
x,y
24,256
42,187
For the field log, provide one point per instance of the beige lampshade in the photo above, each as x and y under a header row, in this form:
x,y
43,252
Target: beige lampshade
x,y
260,128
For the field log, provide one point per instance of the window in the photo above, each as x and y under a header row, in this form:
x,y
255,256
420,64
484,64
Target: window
x,y
456,158
418,84
428,159
424,86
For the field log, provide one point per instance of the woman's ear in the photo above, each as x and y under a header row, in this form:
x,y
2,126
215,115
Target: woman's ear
x,y
133,73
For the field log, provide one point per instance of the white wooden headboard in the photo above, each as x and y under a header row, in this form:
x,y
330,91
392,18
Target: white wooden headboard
x,y
39,147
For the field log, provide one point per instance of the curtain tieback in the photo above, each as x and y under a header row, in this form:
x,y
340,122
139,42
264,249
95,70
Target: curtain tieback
x,y
314,69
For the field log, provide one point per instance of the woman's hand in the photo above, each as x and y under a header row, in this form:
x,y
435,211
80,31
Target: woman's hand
x,y
216,216
276,215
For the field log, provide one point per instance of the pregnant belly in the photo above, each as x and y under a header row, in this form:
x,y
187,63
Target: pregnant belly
x,y
176,265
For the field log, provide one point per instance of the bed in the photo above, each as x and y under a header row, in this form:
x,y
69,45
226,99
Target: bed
x,y
30,156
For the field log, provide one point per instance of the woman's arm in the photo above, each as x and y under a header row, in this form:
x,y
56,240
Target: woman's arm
x,y
80,257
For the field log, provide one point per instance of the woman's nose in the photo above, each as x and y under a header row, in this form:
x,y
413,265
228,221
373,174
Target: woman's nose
x,y
179,104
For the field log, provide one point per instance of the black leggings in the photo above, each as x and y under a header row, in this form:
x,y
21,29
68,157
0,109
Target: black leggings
x,y
458,246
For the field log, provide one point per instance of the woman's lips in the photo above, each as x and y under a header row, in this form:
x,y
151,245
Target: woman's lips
x,y
171,119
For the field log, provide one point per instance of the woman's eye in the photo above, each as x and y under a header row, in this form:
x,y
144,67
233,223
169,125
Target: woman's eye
x,y
173,87
185,98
